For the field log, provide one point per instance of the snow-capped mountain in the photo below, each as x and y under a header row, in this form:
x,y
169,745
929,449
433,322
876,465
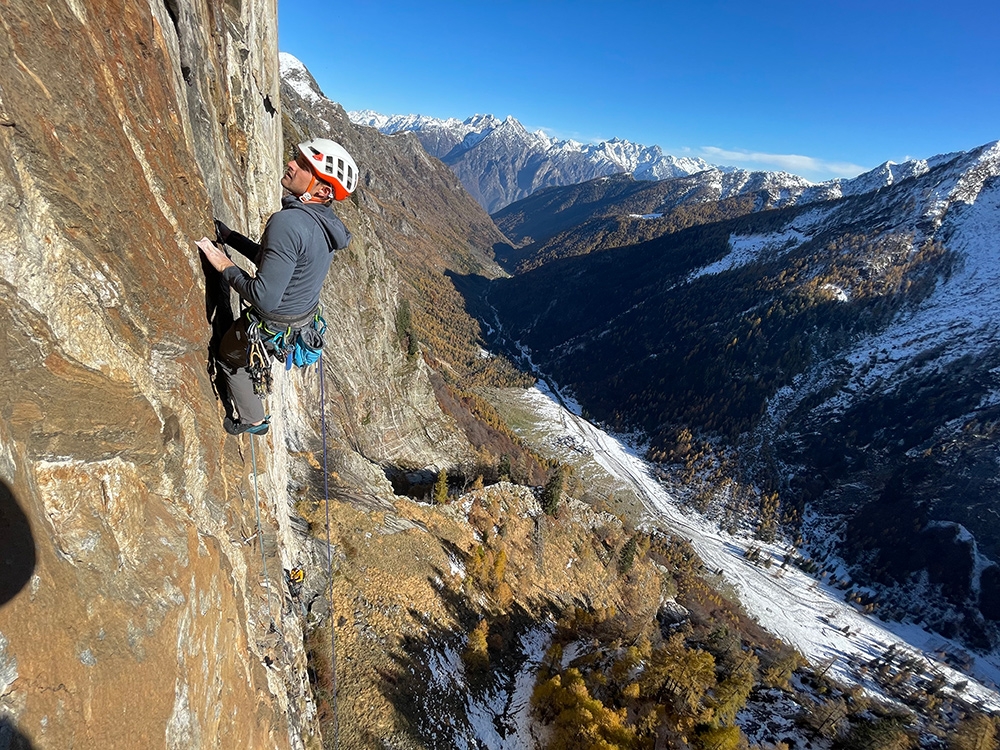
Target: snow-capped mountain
x,y
295,74
500,161
619,210
847,351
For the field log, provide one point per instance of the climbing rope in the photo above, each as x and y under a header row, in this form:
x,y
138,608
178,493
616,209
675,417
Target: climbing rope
x,y
329,557
329,549
260,535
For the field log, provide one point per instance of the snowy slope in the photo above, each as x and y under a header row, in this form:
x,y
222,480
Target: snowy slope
x,y
799,609
960,318
295,74
959,206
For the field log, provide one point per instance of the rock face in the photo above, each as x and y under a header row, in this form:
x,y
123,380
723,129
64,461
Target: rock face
x,y
142,623
135,609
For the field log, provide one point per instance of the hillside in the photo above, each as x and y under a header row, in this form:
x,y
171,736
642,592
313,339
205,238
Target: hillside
x,y
837,353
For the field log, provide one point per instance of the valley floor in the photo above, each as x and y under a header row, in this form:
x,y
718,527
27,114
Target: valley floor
x,y
801,610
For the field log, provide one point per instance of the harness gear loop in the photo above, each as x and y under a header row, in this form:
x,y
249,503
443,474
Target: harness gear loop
x,y
296,340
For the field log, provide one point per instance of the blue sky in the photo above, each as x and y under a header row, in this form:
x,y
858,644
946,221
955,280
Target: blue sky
x,y
819,89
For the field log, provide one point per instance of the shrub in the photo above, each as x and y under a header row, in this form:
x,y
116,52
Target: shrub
x,y
476,655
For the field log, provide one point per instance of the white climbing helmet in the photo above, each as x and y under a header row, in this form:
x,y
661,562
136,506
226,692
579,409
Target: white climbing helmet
x,y
332,164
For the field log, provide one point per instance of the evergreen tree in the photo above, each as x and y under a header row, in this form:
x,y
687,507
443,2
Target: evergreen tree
x,y
503,469
731,694
441,488
626,557
553,492
679,676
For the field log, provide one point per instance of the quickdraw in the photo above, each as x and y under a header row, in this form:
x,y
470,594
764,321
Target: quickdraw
x,y
258,363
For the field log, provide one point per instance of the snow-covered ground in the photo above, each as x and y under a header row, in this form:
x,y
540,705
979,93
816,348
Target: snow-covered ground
x,y
744,250
799,609
497,717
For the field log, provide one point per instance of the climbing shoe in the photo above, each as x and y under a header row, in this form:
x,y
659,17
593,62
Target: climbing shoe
x,y
238,428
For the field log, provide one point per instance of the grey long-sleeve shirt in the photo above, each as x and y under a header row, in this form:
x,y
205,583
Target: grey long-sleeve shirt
x,y
292,259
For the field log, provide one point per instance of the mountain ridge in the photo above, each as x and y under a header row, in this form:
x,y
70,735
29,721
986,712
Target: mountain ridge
x,y
844,349
557,222
500,161
542,162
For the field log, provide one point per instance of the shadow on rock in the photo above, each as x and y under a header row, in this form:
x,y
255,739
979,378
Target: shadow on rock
x,y
455,696
11,738
17,554
219,314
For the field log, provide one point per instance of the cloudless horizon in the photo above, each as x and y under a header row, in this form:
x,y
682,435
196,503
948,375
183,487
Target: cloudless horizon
x,y
819,90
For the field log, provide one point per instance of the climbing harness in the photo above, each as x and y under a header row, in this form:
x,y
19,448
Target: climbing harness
x,y
299,343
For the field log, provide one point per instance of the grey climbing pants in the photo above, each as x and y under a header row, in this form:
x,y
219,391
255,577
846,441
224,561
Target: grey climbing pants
x,y
233,365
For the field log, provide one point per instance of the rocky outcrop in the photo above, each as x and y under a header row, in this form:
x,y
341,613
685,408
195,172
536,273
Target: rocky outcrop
x,y
412,223
140,607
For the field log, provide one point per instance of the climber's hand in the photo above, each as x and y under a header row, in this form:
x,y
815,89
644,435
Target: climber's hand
x,y
218,259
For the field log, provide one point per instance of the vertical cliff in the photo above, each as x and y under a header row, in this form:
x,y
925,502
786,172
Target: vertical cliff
x,y
135,615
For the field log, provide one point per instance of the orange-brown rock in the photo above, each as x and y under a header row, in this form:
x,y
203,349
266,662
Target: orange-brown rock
x,y
132,612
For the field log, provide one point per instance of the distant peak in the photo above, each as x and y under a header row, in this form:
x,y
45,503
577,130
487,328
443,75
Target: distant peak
x,y
481,121
293,72
288,62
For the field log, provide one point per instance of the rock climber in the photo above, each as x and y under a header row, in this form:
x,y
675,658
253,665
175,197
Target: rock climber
x,y
292,261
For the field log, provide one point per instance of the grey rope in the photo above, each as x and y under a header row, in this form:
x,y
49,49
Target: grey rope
x,y
260,535
329,558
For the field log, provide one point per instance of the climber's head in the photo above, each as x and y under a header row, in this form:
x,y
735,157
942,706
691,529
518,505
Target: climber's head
x,y
321,171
